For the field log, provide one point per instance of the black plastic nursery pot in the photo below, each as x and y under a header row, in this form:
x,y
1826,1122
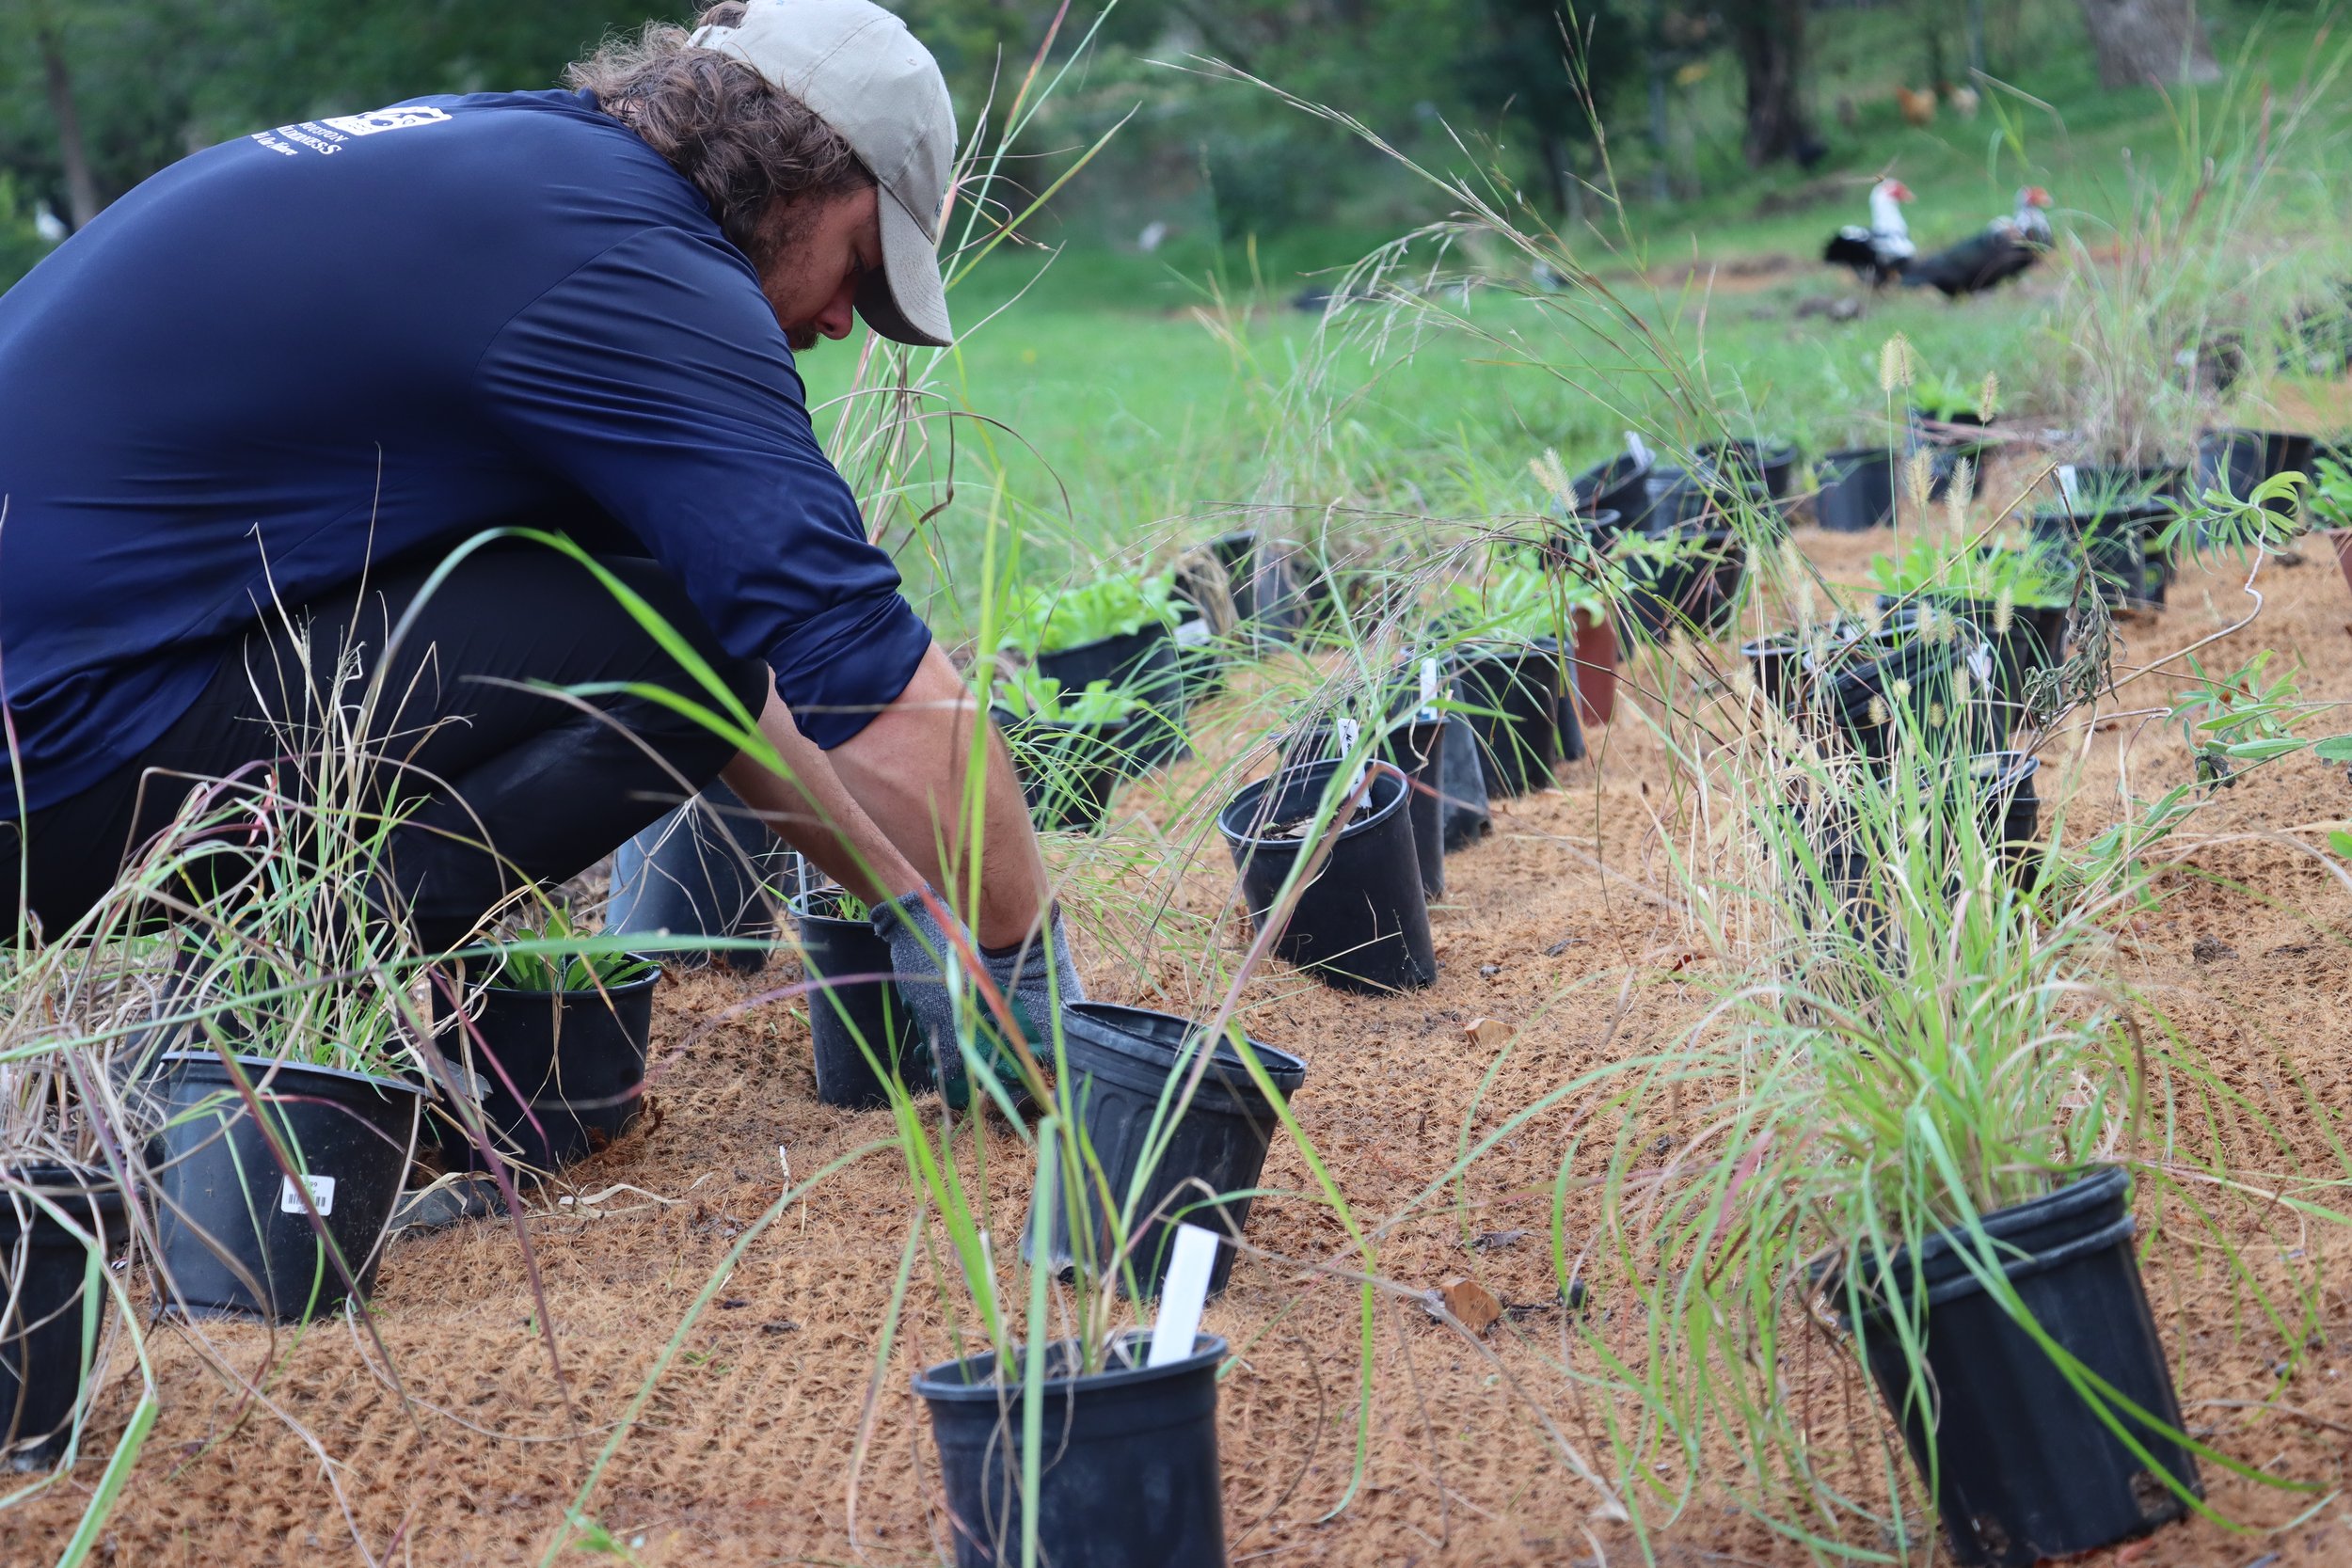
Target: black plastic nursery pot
x,y
1066,771
562,1073
2243,459
1620,486
2108,484
1143,663
1567,727
857,1021
1464,809
1517,693
1858,489
1937,692
2009,805
1698,589
1362,924
1771,464
1124,1060
704,869
1128,1475
2115,543
2024,1468
233,1222
1415,745
1268,603
45,1305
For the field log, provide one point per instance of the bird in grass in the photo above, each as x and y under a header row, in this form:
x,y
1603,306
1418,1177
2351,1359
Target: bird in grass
x,y
1918,106
1989,257
1880,253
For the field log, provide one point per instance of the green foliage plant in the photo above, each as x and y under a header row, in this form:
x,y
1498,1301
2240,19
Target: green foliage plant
x,y
1025,694
1117,604
552,956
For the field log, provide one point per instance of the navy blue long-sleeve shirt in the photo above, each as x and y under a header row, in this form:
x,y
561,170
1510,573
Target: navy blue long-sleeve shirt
x,y
355,339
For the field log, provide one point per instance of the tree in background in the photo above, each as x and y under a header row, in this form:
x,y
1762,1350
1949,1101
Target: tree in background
x,y
1552,67
1769,37
2139,42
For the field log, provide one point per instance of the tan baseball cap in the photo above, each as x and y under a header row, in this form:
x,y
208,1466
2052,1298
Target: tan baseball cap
x,y
860,71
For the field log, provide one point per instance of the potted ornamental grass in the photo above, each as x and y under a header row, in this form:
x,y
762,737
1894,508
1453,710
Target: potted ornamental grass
x,y
1070,747
550,1047
2017,598
285,1073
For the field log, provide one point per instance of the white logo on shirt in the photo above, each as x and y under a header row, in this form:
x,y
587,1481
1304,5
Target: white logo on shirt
x,y
387,119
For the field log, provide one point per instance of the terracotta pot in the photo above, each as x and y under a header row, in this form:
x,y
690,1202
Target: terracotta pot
x,y
1597,665
2341,539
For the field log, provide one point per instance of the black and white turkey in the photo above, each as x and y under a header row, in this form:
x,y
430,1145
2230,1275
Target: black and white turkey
x,y
1881,253
2002,249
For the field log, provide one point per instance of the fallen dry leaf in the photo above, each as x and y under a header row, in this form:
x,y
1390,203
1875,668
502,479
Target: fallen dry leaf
x,y
1470,1302
1487,1034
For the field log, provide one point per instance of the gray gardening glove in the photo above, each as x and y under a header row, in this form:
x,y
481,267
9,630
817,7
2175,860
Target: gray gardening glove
x,y
922,950
1036,976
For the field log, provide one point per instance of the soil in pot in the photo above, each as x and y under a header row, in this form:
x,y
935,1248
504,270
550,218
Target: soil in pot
x,y
233,1220
1858,489
1144,664
1066,771
1362,924
44,1270
1514,693
1619,486
859,1027
562,1073
1415,745
1128,1477
2025,1469
1124,1059
703,870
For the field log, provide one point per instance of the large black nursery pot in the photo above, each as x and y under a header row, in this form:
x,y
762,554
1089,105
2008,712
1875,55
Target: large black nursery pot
x,y
1128,1475
1566,726
1698,589
1782,664
2115,542
1124,1060
1066,771
1269,605
45,1360
2024,1468
1517,689
232,1221
857,1021
1143,663
1858,489
561,1073
1464,808
1619,486
1415,745
704,869
1937,691
1770,463
2242,459
1363,922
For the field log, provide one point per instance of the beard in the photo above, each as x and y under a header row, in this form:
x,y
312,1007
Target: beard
x,y
801,339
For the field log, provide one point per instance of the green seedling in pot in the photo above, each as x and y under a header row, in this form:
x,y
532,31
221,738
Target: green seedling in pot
x,y
2330,496
1946,401
1026,695
1519,603
561,970
2035,576
1117,605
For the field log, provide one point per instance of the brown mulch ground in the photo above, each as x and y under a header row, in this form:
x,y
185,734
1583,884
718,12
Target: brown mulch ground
x,y
458,1449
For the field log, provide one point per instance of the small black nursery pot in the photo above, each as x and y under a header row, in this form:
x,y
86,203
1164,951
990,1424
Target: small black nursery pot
x,y
857,1021
704,869
1620,486
1415,745
44,1271
1269,606
2239,460
2025,1469
233,1217
1066,771
1770,463
2008,807
1122,1060
2116,543
1515,693
1937,692
1362,924
562,1073
1128,1474
1858,489
1699,588
1144,664
1463,810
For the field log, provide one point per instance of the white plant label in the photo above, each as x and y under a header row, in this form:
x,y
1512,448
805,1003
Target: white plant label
x,y
1428,683
1192,634
2066,483
1183,1293
1347,730
1635,445
321,1195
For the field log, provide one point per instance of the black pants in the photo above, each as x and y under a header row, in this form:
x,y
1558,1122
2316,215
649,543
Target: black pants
x,y
547,786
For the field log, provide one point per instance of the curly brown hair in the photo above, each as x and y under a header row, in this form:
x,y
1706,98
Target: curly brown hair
x,y
761,159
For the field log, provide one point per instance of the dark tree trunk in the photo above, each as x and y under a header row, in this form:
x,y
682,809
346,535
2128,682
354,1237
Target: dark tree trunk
x,y
2149,40
80,187
1770,37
